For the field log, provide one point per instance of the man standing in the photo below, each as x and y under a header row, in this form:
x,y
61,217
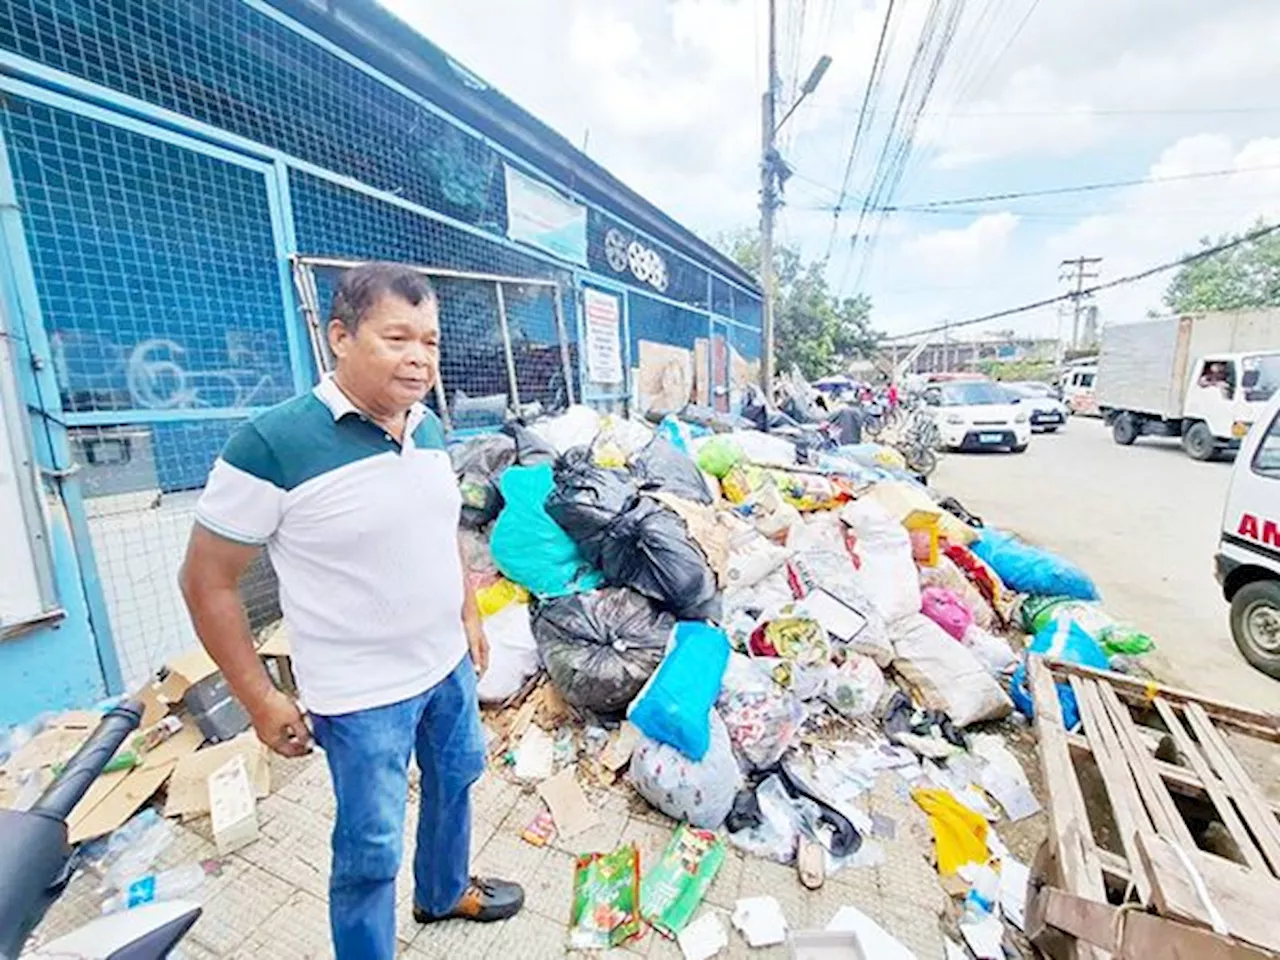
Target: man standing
x,y
350,490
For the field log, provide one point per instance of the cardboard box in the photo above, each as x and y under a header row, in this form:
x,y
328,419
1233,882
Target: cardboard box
x,y
188,788
233,808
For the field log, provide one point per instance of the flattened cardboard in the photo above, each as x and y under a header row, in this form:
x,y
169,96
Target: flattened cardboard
x,y
570,808
184,672
277,644
617,754
188,790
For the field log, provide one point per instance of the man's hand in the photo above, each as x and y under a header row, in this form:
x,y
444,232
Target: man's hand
x,y
479,646
278,721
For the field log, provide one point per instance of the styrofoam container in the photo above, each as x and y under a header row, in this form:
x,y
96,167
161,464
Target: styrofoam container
x,y
825,945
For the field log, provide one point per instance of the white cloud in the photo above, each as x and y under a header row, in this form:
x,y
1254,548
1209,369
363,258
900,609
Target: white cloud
x,y
670,93
962,252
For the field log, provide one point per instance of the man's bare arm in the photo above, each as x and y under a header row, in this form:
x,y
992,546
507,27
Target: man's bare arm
x,y
210,579
471,621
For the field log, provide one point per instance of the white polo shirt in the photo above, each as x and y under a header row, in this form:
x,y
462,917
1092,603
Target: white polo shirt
x,y
363,534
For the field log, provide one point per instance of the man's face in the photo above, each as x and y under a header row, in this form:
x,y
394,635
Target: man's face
x,y
392,359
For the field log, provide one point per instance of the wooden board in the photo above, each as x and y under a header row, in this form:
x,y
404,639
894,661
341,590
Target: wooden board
x,y
1069,827
1243,790
1126,806
1178,779
1246,899
1164,813
1256,723
1136,935
1190,751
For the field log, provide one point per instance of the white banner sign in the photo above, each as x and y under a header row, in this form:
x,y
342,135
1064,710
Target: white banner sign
x,y
541,217
603,312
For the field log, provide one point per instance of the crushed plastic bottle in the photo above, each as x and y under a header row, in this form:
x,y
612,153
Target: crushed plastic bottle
x,y
166,885
984,892
134,848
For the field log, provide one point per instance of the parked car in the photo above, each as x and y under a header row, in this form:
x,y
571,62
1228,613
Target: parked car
x,y
1047,413
979,415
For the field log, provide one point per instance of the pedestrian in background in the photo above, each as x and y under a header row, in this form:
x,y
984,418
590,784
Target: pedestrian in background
x,y
351,491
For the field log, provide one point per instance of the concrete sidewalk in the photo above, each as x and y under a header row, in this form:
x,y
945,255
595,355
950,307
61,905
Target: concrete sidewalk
x,y
271,899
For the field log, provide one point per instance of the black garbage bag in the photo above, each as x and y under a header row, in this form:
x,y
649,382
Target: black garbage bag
x,y
478,464
587,499
600,647
649,550
531,449
661,465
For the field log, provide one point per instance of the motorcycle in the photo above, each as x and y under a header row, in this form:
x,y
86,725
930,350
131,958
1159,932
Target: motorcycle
x,y
38,863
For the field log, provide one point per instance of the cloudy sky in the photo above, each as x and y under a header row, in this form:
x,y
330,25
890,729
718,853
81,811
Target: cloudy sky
x,y
1032,94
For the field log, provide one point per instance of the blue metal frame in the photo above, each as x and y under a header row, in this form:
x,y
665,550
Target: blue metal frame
x,y
107,418
76,580
280,204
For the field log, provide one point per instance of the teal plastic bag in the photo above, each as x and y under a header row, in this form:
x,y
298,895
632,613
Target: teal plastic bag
x,y
529,547
675,706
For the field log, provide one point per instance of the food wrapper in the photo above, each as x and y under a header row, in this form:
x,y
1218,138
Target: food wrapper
x,y
673,889
606,899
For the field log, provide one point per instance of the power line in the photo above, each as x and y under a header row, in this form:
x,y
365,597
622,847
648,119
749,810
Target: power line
x,y
995,61
888,186
930,206
873,85
1089,291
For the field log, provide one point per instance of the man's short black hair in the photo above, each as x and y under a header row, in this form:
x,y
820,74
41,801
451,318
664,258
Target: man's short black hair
x,y
363,286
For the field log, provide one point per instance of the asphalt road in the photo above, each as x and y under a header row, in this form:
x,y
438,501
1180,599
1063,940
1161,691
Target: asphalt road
x,y
1143,521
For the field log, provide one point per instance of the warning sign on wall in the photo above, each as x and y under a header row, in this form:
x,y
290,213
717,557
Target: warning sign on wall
x,y
603,312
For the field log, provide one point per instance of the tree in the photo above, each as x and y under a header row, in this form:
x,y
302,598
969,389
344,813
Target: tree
x,y
1243,277
813,328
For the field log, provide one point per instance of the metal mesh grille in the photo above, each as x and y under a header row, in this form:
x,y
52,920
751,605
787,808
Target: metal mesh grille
x,y
227,64
141,483
155,267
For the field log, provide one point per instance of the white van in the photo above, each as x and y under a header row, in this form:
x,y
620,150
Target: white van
x,y
1248,558
1079,392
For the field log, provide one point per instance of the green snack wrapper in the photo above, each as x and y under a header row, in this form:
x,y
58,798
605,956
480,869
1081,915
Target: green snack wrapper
x,y
672,890
606,899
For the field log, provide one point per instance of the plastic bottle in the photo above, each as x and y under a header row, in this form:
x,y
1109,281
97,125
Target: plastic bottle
x,y
133,848
166,885
983,894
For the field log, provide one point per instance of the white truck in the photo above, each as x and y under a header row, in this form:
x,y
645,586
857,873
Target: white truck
x,y
1203,377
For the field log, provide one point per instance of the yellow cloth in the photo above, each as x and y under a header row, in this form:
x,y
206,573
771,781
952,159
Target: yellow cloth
x,y
959,834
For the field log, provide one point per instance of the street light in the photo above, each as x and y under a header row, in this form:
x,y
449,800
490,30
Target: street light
x,y
810,84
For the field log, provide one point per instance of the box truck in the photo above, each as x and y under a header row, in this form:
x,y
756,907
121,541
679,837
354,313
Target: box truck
x,y
1203,377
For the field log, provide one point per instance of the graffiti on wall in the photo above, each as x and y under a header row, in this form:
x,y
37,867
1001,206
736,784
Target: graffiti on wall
x,y
161,373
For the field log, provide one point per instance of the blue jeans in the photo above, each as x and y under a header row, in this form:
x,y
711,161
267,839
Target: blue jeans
x,y
368,753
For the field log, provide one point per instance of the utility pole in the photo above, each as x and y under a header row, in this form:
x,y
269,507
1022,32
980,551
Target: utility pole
x,y
768,204
1079,270
773,174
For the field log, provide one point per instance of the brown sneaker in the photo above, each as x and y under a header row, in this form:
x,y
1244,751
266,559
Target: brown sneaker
x,y
484,901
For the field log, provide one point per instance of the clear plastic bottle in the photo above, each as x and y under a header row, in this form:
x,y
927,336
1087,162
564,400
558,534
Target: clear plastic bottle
x,y
983,894
166,885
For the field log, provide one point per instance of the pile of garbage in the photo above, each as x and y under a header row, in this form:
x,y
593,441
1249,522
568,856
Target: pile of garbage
x,y
765,627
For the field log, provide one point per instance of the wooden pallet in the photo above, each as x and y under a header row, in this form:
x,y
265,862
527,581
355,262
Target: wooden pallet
x,y
1160,893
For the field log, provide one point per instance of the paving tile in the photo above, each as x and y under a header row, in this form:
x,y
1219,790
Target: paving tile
x,y
723,891
455,940
492,797
233,914
508,858
549,891
528,936
298,930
